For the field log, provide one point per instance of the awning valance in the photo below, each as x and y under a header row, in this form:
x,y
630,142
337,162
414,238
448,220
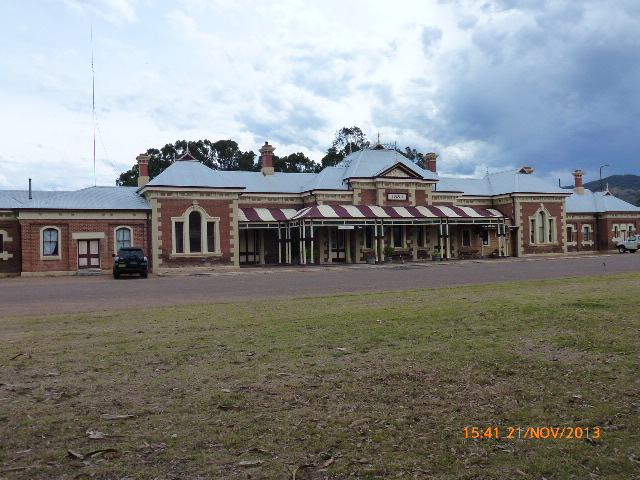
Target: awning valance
x,y
371,211
266,214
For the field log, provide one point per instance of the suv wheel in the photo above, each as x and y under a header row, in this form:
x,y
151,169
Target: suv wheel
x,y
622,249
116,275
144,274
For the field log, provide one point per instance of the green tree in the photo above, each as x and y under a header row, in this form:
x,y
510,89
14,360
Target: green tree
x,y
415,156
347,140
295,163
223,155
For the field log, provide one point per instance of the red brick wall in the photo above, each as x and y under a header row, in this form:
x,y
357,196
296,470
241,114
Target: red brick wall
x,y
12,229
31,245
177,208
529,209
421,198
368,197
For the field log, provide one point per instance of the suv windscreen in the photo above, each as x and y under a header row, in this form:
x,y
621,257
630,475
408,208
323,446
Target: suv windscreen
x,y
131,253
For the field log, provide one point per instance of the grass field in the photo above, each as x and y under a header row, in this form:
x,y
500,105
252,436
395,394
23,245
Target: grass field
x,y
370,386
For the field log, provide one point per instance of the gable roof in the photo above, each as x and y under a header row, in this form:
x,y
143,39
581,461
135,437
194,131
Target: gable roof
x,y
188,173
370,163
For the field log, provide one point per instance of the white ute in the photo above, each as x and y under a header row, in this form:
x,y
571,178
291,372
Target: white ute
x,y
630,244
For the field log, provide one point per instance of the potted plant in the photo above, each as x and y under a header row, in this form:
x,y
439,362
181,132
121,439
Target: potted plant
x,y
370,257
496,253
437,255
388,251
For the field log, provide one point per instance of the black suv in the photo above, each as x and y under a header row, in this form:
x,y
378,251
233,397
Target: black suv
x,y
130,260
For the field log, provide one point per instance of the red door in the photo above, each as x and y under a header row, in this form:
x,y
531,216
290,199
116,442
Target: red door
x,y
88,254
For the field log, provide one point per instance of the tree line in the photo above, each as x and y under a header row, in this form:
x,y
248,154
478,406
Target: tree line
x,y
226,155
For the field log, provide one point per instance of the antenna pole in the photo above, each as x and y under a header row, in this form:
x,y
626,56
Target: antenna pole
x,y
93,108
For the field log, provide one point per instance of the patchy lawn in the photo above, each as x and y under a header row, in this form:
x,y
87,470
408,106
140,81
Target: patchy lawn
x,y
369,386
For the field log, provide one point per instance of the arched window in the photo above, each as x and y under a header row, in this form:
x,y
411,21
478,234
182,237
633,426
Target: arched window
x,y
123,238
50,242
541,227
195,232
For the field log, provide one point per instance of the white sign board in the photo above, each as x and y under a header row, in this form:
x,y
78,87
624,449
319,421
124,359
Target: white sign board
x,y
402,197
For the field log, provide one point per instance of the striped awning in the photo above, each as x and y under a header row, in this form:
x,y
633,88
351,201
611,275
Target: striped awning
x,y
266,214
372,211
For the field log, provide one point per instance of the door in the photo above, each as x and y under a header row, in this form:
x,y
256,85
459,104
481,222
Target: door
x,y
338,251
249,247
88,254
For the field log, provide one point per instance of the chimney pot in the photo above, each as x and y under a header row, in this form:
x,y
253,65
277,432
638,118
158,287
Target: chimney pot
x,y
267,159
431,161
143,169
578,188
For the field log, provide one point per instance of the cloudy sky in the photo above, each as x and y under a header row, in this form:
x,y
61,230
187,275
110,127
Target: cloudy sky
x,y
489,84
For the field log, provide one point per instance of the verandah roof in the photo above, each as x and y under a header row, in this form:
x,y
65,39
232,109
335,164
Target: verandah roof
x,y
367,211
346,212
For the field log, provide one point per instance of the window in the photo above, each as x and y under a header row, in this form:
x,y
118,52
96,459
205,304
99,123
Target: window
x,y
586,233
123,238
50,242
1,243
485,237
396,234
368,237
179,231
466,238
421,236
211,236
196,233
570,234
542,227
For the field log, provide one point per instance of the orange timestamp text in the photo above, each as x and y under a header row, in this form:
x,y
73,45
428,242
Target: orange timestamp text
x,y
532,432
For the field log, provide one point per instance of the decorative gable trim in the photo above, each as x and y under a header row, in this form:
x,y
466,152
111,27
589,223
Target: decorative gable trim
x,y
399,170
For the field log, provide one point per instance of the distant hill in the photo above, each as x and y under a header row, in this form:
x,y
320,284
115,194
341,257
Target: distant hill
x,y
626,187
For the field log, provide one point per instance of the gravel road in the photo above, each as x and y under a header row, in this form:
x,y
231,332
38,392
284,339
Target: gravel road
x,y
50,295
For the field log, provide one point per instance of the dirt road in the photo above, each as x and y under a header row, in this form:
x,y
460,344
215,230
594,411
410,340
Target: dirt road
x,y
50,295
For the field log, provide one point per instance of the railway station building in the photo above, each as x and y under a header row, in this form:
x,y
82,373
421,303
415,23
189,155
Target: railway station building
x,y
193,217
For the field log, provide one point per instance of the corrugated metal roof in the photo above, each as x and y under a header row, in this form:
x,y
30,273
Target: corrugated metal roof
x,y
279,182
192,174
503,183
10,199
597,202
370,163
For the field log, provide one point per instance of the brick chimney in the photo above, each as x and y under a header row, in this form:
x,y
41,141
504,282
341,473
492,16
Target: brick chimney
x,y
430,159
579,189
143,169
267,159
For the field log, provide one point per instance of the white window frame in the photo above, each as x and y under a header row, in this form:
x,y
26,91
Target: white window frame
x,y
488,239
50,257
403,236
115,236
468,233
588,228
545,234
204,220
4,254
573,240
